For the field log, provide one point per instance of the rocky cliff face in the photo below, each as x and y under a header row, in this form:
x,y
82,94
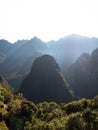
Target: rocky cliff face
x,y
83,75
20,58
45,82
94,70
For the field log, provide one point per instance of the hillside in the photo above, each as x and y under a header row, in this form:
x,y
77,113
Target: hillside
x,y
45,82
67,49
18,63
17,113
16,59
5,49
83,75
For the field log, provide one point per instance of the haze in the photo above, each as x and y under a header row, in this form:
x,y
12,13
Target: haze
x,y
47,19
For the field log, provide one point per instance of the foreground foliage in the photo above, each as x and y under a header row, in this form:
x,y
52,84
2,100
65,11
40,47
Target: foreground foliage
x,y
17,113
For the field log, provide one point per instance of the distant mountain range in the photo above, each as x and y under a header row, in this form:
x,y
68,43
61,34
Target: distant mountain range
x,y
72,53
5,48
19,59
83,75
66,50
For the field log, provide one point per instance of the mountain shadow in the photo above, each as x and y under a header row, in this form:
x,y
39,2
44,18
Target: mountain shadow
x,y
18,63
46,82
83,75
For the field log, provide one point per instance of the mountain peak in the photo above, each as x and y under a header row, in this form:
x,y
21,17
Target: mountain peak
x,y
84,57
45,82
35,38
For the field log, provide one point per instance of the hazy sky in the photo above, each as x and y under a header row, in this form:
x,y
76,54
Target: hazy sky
x,y
47,19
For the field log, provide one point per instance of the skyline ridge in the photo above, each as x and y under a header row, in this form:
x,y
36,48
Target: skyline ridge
x,y
60,38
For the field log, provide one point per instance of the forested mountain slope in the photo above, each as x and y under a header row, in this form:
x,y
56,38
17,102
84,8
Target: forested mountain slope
x,y
17,113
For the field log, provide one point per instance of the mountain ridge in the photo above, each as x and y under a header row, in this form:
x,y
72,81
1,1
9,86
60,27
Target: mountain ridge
x,y
83,75
45,83
65,51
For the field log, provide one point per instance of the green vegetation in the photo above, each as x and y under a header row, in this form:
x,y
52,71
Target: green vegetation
x,y
17,113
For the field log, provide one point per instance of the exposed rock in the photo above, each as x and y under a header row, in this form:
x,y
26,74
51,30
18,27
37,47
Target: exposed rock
x,y
45,82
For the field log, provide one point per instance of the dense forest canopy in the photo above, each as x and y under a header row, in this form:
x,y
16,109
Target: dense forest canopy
x,y
17,113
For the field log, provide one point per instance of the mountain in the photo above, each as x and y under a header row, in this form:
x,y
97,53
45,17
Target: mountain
x,y
78,75
18,63
94,69
46,82
5,49
16,59
83,75
66,50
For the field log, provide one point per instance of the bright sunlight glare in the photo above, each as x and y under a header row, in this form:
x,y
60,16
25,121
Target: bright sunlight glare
x,y
47,19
